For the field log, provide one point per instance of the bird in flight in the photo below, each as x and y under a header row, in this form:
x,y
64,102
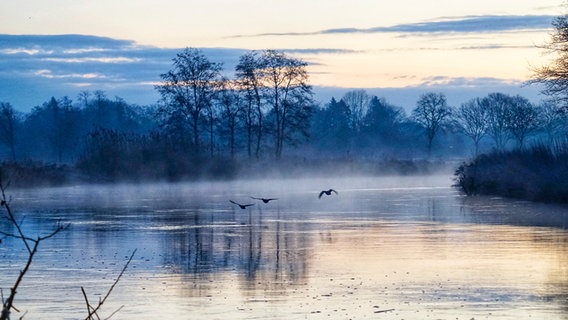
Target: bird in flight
x,y
326,192
265,200
242,206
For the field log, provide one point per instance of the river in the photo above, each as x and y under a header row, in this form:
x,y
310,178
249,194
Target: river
x,y
381,248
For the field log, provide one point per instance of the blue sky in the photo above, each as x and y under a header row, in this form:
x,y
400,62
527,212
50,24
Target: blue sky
x,y
395,50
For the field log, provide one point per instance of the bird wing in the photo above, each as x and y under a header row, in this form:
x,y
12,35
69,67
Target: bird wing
x,y
321,194
255,198
331,190
231,201
248,205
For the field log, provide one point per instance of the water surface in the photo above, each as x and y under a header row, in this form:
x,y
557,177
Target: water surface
x,y
383,248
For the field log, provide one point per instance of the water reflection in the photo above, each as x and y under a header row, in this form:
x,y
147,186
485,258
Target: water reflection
x,y
260,249
413,246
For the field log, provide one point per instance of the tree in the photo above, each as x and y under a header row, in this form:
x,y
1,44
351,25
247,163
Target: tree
x,y
432,113
188,89
382,120
9,120
287,92
524,119
231,107
334,126
358,102
248,73
499,118
54,128
553,120
64,132
554,76
472,116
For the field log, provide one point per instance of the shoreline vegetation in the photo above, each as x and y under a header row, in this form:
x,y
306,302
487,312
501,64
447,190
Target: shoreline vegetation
x,y
32,174
538,174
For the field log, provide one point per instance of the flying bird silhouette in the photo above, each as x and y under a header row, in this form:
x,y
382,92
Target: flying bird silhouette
x,y
243,206
326,192
265,200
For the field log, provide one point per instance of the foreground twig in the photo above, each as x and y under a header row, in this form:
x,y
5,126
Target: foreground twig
x,y
91,310
31,245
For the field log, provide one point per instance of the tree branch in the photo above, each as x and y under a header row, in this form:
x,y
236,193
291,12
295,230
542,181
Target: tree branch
x,y
92,311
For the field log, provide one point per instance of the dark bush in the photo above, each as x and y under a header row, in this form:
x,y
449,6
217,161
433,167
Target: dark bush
x,y
34,174
539,173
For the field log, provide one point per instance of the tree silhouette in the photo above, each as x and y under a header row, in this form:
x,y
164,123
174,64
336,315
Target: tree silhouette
x,y
289,96
188,89
231,107
472,116
525,119
432,113
9,120
554,76
248,73
382,122
499,118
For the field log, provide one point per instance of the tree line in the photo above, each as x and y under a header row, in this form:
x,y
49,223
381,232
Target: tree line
x,y
208,121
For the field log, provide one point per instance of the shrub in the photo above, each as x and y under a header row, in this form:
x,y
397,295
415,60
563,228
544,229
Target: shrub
x,y
539,173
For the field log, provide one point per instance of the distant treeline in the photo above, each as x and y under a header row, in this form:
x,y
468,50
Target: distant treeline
x,y
207,125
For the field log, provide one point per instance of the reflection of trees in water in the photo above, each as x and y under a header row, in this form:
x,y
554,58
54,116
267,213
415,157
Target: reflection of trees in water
x,y
265,249
494,210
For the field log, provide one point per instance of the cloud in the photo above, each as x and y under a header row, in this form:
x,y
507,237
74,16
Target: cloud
x,y
35,67
316,51
466,82
465,24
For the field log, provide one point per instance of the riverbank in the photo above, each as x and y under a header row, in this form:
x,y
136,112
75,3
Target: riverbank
x,y
536,174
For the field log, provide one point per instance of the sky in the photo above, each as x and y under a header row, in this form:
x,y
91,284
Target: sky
x,y
393,49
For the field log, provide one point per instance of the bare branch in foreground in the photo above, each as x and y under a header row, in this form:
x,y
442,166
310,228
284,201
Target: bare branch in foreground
x,y
92,310
30,244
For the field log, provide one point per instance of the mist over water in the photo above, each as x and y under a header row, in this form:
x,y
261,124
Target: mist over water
x,y
388,247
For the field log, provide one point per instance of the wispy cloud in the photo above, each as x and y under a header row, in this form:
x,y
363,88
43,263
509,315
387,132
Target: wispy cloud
x,y
466,82
466,24
56,65
35,67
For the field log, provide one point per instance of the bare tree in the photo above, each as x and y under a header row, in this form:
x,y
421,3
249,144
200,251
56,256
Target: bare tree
x,y
524,119
499,118
9,120
553,121
248,73
358,102
231,107
83,97
554,76
432,112
472,116
288,94
189,87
